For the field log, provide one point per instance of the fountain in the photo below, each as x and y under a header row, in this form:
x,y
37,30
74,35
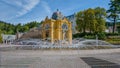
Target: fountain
x,y
31,44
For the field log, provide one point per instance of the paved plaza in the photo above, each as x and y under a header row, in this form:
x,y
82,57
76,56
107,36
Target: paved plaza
x,y
60,58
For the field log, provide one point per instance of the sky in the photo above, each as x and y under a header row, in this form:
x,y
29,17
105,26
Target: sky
x,y
24,11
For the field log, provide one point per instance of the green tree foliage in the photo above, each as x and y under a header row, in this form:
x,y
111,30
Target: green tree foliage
x,y
0,36
89,17
100,15
32,24
7,28
18,27
118,27
80,21
26,27
113,12
91,20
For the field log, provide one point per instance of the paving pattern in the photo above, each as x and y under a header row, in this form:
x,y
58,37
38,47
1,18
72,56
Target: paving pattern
x,y
40,59
45,62
99,63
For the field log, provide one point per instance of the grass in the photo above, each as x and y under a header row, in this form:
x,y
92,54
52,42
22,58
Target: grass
x,y
115,41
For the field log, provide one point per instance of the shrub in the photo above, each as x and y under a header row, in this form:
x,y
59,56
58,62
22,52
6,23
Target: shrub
x,y
101,36
76,35
112,34
0,38
89,36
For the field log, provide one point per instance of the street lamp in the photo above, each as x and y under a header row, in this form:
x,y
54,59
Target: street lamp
x,y
96,40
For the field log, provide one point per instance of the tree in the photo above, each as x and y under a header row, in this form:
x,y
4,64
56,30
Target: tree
x,y
18,27
8,28
0,36
113,12
100,15
91,20
80,21
25,28
85,20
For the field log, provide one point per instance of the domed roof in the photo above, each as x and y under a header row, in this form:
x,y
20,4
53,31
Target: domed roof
x,y
57,15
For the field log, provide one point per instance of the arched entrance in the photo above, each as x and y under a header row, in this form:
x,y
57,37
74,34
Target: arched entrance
x,y
65,31
47,32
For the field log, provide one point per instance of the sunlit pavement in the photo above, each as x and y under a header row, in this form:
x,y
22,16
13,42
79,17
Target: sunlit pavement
x,y
55,58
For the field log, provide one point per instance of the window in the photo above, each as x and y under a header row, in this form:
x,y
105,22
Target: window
x,y
64,27
47,26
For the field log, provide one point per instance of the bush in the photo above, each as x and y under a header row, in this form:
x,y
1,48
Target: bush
x,y
118,29
101,36
89,36
0,38
83,34
76,35
112,34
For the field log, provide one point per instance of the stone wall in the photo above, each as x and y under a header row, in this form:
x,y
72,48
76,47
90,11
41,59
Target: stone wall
x,y
32,34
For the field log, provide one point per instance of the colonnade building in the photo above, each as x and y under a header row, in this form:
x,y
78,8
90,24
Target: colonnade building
x,y
55,29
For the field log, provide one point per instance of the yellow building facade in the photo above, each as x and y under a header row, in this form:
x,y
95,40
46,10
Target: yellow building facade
x,y
57,28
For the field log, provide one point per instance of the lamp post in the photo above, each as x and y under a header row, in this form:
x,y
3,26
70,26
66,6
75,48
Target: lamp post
x,y
96,40
60,44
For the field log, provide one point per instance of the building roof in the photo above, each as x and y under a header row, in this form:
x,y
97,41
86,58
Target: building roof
x,y
71,16
57,15
8,37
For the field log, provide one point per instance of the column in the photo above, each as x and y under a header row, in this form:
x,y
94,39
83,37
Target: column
x,y
70,34
51,32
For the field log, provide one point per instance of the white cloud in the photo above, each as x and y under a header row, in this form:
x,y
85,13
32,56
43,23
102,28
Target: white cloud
x,y
24,5
46,7
30,4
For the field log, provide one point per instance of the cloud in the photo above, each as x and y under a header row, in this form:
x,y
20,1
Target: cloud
x,y
24,5
28,6
46,7
12,2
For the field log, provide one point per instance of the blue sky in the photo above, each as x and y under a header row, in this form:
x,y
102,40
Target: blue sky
x,y
23,11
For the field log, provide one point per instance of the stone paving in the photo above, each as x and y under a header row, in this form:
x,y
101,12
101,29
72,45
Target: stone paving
x,y
55,58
